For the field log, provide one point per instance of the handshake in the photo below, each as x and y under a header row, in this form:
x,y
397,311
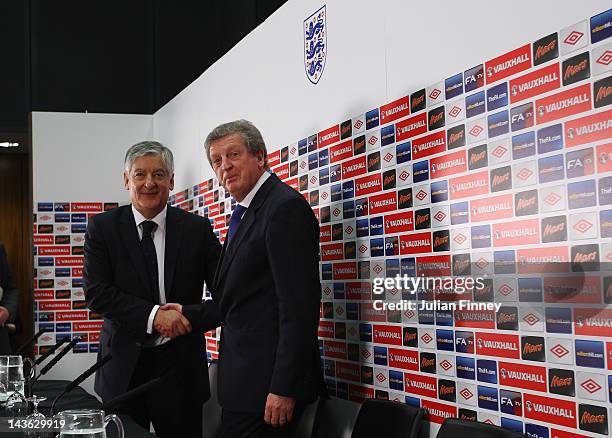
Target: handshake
x,y
170,322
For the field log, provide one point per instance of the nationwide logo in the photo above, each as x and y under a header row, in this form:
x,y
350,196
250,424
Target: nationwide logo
x,y
449,164
508,64
469,185
411,127
550,410
394,110
575,69
522,376
545,49
535,83
563,104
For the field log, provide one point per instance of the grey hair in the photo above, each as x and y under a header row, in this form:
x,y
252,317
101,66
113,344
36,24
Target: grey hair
x,y
149,148
250,134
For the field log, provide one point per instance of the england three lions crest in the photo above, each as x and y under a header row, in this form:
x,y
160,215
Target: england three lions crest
x,y
315,45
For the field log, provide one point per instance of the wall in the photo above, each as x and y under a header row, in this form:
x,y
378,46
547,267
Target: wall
x,y
536,366
77,164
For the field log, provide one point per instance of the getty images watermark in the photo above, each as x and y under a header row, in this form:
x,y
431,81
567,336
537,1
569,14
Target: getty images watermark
x,y
456,286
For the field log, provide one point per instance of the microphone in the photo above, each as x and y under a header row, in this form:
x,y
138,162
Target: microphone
x,y
76,382
133,393
31,340
59,356
51,350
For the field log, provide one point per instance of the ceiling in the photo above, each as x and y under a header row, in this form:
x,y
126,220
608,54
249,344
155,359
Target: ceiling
x,y
110,56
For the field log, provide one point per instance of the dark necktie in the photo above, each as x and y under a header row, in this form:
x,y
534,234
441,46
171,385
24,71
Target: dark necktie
x,y
235,221
148,248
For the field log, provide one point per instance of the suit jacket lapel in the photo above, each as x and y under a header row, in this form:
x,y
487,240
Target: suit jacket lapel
x,y
129,235
173,240
229,250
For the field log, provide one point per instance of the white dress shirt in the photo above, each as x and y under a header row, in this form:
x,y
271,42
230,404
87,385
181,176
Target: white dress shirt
x,y
246,202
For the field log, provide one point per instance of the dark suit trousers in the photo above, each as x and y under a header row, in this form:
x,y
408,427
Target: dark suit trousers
x,y
173,407
252,425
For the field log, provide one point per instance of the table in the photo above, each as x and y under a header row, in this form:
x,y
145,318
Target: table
x,y
77,399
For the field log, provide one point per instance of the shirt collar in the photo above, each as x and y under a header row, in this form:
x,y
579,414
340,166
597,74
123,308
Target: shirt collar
x,y
160,219
246,202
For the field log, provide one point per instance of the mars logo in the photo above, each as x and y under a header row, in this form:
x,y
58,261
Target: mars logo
x,y
602,90
575,69
545,49
593,419
561,382
315,45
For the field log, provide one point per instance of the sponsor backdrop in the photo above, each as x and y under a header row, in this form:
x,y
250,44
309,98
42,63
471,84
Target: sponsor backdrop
x,y
500,168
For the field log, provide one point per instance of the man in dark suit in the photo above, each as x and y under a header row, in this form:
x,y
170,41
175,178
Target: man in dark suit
x,y
268,291
9,301
138,257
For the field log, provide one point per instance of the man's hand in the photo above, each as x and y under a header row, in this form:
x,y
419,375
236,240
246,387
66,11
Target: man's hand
x,y
170,323
279,410
173,306
4,316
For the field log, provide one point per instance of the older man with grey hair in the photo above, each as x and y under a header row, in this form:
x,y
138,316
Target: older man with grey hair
x,y
268,292
145,268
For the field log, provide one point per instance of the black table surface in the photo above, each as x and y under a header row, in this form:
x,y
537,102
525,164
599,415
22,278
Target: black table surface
x,y
77,399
